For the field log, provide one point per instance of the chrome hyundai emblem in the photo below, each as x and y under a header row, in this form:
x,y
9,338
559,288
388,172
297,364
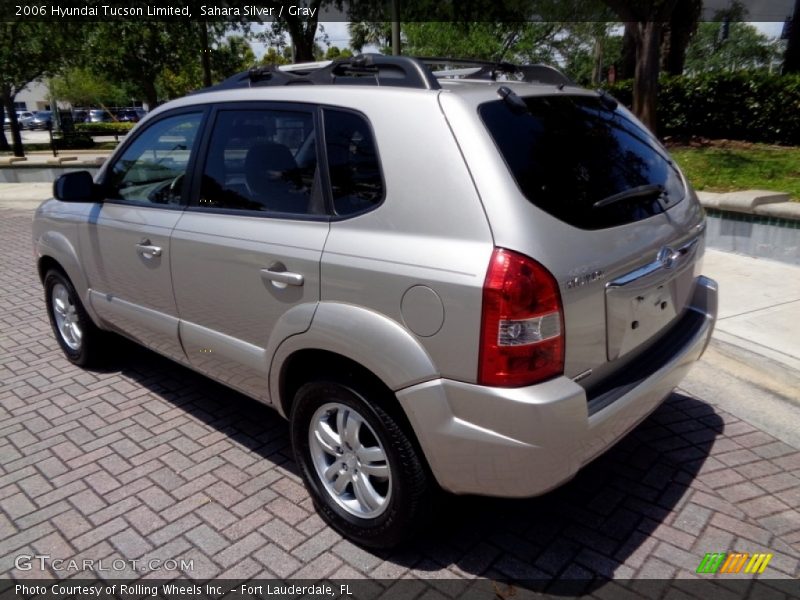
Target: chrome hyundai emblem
x,y
667,257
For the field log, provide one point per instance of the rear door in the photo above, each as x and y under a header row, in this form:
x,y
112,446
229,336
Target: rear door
x,y
126,244
247,251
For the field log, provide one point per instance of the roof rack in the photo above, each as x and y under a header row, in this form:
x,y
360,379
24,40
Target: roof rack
x,y
395,71
364,69
484,69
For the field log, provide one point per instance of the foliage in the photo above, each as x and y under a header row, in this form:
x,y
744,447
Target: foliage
x,y
273,57
744,48
333,52
110,128
752,106
573,47
81,87
727,166
73,142
227,57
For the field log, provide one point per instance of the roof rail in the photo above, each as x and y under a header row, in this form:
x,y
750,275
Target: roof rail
x,y
364,69
485,69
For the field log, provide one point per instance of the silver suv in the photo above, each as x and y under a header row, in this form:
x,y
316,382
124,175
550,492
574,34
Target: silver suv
x,y
453,280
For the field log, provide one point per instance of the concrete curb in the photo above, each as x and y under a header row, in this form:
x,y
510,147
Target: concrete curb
x,y
755,202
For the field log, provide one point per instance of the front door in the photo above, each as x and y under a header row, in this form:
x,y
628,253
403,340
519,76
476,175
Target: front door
x,y
126,243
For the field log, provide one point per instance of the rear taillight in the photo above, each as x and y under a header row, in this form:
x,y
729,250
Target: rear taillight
x,y
522,326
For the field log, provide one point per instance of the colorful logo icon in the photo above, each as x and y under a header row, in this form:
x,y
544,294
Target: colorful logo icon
x,y
734,562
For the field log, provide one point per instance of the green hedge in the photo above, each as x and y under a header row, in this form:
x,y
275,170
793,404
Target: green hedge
x,y
755,107
110,128
73,142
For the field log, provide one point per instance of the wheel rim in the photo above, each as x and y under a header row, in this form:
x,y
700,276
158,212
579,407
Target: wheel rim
x,y
350,460
66,317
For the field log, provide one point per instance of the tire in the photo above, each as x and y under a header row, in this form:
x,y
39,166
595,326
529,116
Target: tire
x,y
80,339
385,493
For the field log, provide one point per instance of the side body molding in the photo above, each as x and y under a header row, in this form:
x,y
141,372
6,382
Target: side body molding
x,y
369,338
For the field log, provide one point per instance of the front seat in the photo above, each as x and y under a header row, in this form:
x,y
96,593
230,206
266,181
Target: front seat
x,y
273,179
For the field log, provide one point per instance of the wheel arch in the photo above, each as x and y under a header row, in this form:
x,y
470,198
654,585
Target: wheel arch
x,y
354,338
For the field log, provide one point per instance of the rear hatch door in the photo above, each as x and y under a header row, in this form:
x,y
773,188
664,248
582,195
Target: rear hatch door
x,y
596,199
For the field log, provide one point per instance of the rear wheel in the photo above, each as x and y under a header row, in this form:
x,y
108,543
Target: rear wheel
x,y
80,339
361,468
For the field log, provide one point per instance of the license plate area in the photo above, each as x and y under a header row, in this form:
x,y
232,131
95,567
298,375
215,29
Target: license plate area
x,y
637,308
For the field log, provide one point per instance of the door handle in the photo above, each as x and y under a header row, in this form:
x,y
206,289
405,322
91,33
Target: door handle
x,y
282,278
145,249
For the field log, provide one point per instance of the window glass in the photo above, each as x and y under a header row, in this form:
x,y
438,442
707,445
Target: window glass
x,y
355,173
569,153
152,168
262,160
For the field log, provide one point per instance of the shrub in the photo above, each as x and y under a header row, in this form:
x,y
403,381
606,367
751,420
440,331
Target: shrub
x,y
73,142
754,107
111,128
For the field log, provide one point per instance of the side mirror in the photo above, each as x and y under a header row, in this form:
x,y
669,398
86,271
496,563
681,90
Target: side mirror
x,y
75,187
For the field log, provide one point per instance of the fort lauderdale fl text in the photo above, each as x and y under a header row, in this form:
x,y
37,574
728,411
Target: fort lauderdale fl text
x,y
106,10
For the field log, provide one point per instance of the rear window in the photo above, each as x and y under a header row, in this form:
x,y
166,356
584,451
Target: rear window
x,y
582,162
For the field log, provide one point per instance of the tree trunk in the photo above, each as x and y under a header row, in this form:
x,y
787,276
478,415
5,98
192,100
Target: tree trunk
x,y
627,64
4,147
16,138
645,86
679,32
791,60
150,93
205,56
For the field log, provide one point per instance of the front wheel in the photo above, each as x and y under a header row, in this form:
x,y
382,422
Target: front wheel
x,y
361,468
79,338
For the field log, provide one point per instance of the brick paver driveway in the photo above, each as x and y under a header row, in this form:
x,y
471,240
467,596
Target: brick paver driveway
x,y
149,460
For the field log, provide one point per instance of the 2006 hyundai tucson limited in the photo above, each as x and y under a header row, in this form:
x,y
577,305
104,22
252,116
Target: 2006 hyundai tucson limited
x,y
457,283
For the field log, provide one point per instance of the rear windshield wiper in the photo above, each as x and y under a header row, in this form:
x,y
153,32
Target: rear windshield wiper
x,y
640,191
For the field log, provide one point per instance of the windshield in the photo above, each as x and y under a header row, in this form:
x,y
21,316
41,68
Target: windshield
x,y
570,153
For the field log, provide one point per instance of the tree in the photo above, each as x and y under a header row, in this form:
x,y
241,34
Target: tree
x,y
81,87
374,33
26,55
301,29
138,52
644,20
744,48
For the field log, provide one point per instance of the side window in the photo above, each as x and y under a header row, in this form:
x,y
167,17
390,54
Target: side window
x,y
152,168
355,172
261,160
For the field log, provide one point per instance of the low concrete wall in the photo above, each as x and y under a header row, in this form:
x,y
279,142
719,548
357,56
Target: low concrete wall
x,y
755,223
38,174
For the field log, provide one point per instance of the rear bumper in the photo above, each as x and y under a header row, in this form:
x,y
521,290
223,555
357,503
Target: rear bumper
x,y
518,442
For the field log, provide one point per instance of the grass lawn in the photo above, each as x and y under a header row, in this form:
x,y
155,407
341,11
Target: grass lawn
x,y
724,166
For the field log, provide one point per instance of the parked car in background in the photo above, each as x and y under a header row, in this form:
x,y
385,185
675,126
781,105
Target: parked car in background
x,y
41,120
79,116
130,115
99,116
22,117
